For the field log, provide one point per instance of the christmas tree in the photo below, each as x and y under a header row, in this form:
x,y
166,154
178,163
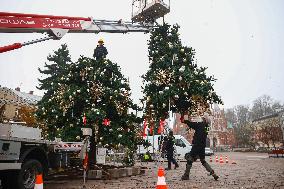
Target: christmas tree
x,y
174,81
97,95
48,111
90,93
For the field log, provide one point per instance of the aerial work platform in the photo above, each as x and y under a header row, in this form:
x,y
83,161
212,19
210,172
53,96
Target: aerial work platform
x,y
144,15
149,10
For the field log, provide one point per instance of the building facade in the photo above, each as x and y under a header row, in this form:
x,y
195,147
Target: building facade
x,y
269,130
11,101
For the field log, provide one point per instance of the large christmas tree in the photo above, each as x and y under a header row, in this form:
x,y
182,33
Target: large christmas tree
x,y
99,93
91,93
174,81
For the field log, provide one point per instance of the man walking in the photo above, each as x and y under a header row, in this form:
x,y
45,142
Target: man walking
x,y
100,52
198,146
170,151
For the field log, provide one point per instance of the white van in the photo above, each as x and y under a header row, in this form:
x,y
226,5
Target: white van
x,y
182,146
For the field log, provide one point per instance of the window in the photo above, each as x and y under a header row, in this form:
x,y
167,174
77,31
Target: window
x,y
179,142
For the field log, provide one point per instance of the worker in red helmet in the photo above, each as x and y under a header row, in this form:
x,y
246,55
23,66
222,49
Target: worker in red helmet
x,y
100,52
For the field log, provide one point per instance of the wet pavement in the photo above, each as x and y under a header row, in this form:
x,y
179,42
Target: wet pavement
x,y
252,170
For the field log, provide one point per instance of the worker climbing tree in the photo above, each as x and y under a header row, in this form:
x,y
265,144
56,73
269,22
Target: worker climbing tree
x,y
174,79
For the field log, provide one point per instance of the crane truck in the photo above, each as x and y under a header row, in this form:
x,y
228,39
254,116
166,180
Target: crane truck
x,y
23,152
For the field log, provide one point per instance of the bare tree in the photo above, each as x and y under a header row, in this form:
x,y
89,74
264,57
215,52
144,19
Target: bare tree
x,y
231,116
263,136
242,115
244,136
247,134
239,117
270,131
264,105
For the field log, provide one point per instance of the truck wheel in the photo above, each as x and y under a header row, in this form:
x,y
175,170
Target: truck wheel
x,y
5,182
187,156
27,175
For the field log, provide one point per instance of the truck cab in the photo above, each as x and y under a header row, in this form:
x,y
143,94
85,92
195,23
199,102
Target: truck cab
x,y
24,154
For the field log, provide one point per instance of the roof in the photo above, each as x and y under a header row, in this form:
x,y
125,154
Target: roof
x,y
269,116
20,97
29,98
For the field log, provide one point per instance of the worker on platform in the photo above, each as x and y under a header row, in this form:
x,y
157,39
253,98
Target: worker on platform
x,y
100,51
198,145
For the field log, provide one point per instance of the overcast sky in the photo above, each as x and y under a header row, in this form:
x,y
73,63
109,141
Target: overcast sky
x,y
240,41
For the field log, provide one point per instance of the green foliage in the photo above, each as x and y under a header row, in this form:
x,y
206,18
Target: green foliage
x,y
173,75
244,135
92,88
49,111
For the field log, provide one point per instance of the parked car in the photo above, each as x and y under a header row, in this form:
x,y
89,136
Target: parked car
x,y
208,152
182,146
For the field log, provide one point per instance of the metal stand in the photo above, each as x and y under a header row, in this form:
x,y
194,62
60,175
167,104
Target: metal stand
x,y
87,132
85,168
84,179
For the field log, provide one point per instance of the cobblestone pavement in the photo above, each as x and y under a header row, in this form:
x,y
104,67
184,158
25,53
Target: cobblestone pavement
x,y
252,170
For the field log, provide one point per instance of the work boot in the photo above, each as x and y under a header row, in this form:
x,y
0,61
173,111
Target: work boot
x,y
169,165
168,168
185,177
216,177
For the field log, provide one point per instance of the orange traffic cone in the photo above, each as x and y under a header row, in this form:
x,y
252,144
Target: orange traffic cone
x,y
227,161
221,159
216,158
210,159
161,183
39,182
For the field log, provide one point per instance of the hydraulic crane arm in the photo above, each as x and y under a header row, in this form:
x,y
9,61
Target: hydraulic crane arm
x,y
57,26
30,23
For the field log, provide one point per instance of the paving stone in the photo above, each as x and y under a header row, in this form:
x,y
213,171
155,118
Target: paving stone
x,y
264,173
95,174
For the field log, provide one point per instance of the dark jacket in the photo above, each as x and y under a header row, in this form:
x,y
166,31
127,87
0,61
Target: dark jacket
x,y
201,131
100,52
170,144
